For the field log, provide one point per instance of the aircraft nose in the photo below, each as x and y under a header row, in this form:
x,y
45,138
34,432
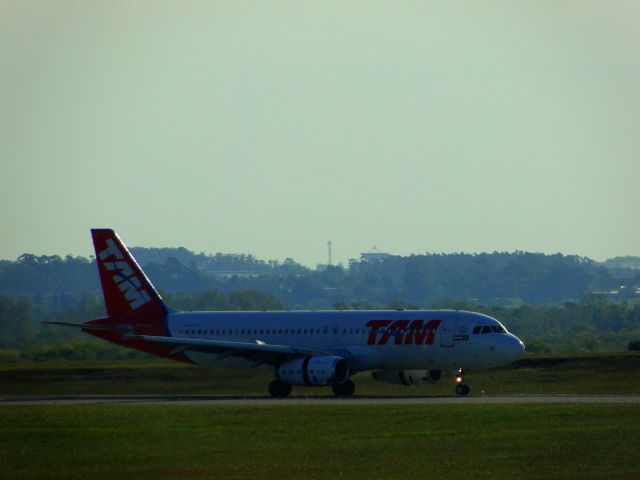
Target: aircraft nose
x,y
514,347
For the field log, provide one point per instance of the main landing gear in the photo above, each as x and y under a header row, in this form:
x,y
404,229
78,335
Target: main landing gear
x,y
345,389
462,389
279,389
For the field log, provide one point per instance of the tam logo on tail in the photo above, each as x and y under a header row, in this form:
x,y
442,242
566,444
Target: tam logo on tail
x,y
126,288
125,278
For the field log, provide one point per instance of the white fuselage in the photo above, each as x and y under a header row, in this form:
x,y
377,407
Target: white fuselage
x,y
368,340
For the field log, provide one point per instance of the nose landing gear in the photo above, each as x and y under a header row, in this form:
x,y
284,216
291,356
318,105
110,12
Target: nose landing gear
x,y
462,389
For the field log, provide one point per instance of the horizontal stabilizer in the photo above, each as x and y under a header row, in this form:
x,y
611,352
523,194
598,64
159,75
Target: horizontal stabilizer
x,y
86,326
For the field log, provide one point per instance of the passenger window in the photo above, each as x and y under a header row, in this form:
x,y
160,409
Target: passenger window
x,y
486,329
477,329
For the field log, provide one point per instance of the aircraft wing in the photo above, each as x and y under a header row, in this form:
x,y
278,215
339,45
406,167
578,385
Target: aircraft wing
x,y
260,352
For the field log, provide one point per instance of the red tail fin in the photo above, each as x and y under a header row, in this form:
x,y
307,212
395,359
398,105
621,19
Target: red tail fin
x,y
125,287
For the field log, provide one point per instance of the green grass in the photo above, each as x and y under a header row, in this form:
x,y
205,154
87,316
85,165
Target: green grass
x,y
596,373
319,441
229,442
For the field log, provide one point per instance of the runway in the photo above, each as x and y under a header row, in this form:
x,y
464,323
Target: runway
x,y
7,400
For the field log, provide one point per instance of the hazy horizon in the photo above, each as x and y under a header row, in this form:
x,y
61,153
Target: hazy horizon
x,y
335,261
271,127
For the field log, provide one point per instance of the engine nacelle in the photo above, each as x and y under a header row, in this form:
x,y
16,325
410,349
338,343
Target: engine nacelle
x,y
408,377
314,371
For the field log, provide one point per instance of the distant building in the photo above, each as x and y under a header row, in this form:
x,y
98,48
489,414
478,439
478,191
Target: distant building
x,y
234,273
374,255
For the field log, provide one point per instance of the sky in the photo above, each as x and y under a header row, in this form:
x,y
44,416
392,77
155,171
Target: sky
x,y
271,127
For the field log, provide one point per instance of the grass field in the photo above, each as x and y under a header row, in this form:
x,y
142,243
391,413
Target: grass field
x,y
319,441
228,442
606,373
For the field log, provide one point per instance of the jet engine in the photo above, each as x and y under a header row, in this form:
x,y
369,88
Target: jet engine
x,y
316,371
408,377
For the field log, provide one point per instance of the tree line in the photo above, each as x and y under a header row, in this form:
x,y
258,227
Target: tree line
x,y
422,280
548,300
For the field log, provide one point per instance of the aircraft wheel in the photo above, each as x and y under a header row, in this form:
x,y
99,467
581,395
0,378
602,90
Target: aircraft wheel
x,y
345,389
462,389
279,389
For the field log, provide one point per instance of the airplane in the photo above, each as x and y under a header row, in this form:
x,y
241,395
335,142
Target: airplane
x,y
303,348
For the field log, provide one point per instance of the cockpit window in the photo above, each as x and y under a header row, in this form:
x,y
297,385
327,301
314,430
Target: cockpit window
x,y
489,329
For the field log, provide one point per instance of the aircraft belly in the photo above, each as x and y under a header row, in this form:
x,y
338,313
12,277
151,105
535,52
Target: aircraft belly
x,y
429,357
407,357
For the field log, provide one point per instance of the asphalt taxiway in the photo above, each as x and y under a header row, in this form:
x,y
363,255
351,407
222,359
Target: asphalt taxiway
x,y
311,400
